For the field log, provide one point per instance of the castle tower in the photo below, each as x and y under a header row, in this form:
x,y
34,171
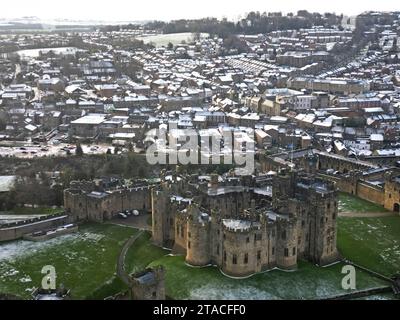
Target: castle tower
x,y
283,188
392,197
160,206
198,237
286,256
322,230
149,284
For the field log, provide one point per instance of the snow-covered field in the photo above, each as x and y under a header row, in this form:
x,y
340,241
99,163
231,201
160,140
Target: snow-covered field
x,y
175,38
21,249
84,261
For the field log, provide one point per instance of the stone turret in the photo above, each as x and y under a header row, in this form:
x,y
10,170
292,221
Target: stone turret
x,y
198,237
323,225
287,245
149,284
283,189
160,204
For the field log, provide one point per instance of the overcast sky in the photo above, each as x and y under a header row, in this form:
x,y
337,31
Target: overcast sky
x,y
131,10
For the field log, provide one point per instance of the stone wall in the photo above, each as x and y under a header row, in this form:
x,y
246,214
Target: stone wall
x,y
83,205
371,193
9,233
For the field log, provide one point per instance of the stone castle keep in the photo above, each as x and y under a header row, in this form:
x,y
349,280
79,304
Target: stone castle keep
x,y
243,225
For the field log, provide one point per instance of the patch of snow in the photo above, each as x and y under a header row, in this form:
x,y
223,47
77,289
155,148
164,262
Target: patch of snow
x,y
25,279
210,292
17,249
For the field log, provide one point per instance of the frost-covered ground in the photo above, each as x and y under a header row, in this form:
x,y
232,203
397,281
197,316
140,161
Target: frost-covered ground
x,y
350,203
308,282
175,38
371,242
84,261
22,249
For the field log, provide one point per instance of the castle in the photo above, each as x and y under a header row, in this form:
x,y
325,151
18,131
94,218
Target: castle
x,y
244,225
236,226
376,182
91,201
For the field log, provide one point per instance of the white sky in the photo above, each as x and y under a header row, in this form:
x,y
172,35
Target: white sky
x,y
130,10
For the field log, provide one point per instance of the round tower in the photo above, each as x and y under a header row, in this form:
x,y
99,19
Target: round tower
x,y
286,257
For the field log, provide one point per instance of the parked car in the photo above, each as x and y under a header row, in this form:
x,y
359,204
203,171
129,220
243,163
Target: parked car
x,y
122,216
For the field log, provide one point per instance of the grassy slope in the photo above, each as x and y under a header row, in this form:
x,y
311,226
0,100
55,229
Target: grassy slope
x,y
88,266
142,253
371,242
81,264
349,203
308,282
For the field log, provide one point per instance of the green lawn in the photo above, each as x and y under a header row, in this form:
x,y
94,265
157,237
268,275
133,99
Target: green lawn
x,y
142,253
308,282
371,242
350,203
84,262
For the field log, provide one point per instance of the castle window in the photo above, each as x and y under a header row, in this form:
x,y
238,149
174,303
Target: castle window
x,y
80,205
234,259
171,222
329,206
225,256
246,258
218,250
303,223
284,235
322,220
273,251
247,240
286,252
189,245
182,233
154,294
259,255
299,241
294,251
334,216
258,237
